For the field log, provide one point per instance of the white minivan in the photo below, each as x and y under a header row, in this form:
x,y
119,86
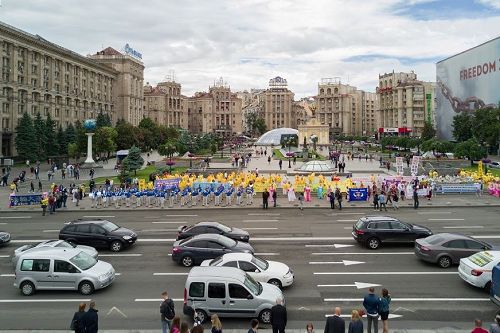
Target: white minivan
x,y
228,292
61,269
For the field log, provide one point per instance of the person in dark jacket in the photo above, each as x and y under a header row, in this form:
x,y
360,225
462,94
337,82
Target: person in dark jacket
x,y
335,324
385,300
167,312
356,324
265,199
77,321
90,319
372,304
331,197
415,198
278,317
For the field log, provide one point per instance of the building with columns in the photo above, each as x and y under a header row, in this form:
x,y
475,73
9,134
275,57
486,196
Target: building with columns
x,y
165,104
405,103
217,111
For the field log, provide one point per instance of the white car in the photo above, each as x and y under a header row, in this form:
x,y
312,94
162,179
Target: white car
x,y
476,269
52,243
261,270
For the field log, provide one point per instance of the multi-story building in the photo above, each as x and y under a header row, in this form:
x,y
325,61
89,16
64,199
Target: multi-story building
x,y
403,103
252,103
278,105
165,104
218,111
128,95
347,110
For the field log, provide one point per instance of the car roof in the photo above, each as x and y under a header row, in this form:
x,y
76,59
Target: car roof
x,y
237,256
81,221
376,218
207,223
206,237
451,235
51,253
217,272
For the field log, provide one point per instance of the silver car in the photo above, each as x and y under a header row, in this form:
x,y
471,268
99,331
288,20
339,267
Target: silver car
x,y
61,269
52,243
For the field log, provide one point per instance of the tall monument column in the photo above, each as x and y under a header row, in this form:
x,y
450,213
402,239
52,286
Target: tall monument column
x,y
89,159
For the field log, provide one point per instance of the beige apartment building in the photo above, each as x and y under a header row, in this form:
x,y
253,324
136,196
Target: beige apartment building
x,y
278,105
345,109
217,111
405,103
165,104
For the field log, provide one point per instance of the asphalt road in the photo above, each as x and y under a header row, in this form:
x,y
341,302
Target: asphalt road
x,y
424,296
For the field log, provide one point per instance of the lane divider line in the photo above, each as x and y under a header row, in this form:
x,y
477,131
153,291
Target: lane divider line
x,y
174,274
99,216
413,299
385,273
157,299
359,253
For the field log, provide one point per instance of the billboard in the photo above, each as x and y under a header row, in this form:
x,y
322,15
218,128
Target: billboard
x,y
466,82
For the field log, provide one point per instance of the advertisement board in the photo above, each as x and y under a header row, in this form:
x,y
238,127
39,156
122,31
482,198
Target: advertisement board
x,y
466,82
358,194
25,200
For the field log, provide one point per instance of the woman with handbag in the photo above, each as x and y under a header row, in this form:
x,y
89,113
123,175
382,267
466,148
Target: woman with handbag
x,y
77,322
385,300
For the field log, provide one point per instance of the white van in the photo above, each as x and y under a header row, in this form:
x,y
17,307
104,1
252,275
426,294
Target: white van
x,y
61,269
228,292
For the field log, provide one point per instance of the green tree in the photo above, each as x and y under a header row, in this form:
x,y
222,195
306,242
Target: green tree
x,y
168,149
70,134
260,126
462,126
470,149
104,140
25,139
51,147
428,132
73,151
103,120
125,135
40,141
486,126
256,124
134,160
62,142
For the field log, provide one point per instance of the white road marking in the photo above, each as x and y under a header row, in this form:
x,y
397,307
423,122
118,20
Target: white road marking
x,y
446,219
3,223
99,216
257,221
300,238
358,253
486,237
14,217
465,227
175,274
337,246
183,215
264,214
261,228
413,299
118,274
344,262
346,220
7,275
436,212
267,253
28,240
358,285
51,230
152,240
121,255
31,300
347,228
158,230
391,316
385,273
170,222
4,256
114,308
348,214
157,299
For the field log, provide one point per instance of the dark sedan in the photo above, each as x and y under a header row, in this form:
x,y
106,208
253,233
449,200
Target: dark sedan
x,y
447,249
4,237
212,228
374,230
194,250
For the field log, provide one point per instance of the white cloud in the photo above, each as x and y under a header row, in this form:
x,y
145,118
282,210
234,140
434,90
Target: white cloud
x,y
249,41
491,3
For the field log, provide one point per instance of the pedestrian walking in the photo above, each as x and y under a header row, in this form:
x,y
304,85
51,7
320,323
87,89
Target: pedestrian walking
x,y
479,189
301,200
331,197
338,196
385,300
254,326
495,327
77,321
335,324
91,319
395,200
415,198
356,324
167,312
280,163
382,201
478,327
269,160
371,303
32,187
176,325
278,317
265,199
275,197
376,206
216,324
44,203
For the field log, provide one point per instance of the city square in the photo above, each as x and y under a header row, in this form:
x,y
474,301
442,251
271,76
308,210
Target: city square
x,y
267,172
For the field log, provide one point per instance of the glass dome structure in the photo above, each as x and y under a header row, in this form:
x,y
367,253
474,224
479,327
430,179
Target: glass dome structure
x,y
316,166
273,137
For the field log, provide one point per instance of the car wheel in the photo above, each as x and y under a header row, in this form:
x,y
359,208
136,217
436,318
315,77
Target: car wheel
x,y
27,288
187,261
487,287
373,243
275,282
86,288
201,316
265,316
444,262
116,246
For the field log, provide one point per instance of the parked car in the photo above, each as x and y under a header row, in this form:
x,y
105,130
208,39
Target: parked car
x,y
495,165
212,228
261,270
53,243
447,249
4,238
98,233
194,250
61,269
228,292
375,230
476,269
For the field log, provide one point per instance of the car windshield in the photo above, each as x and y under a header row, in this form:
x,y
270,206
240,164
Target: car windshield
x,y
65,244
250,283
83,261
216,261
481,258
227,242
434,240
109,226
261,263
223,227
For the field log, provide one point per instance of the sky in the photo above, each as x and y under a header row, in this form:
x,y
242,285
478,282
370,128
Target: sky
x,y
248,42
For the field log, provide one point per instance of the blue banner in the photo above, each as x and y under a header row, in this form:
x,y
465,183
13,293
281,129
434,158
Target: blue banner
x,y
204,185
25,200
167,184
457,188
358,194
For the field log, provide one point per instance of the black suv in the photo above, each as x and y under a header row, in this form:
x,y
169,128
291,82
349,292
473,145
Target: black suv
x,y
98,233
374,230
